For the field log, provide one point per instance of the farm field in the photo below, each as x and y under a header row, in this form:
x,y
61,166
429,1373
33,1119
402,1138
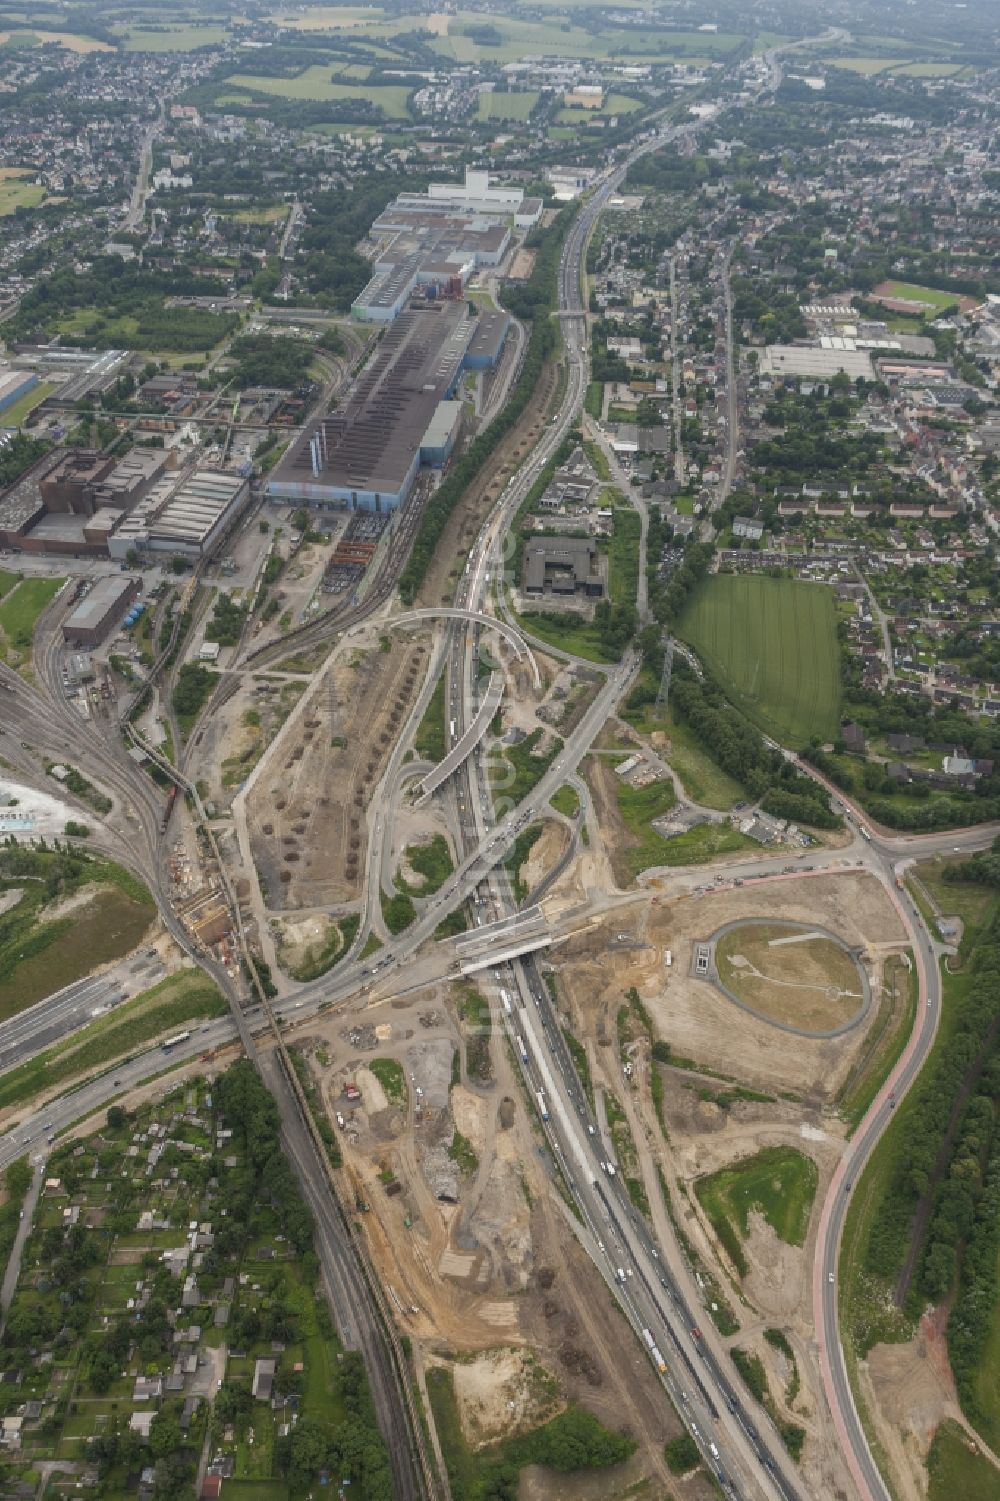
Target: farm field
x,y
507,106
314,83
465,40
772,645
171,38
867,66
330,17
67,39
779,1182
786,976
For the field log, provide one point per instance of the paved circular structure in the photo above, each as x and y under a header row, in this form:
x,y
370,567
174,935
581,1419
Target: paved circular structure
x,y
832,992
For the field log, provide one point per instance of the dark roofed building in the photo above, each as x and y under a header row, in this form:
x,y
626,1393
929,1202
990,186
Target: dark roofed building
x,y
562,565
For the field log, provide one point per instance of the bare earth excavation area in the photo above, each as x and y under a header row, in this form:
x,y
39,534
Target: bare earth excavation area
x,y
307,811
738,1092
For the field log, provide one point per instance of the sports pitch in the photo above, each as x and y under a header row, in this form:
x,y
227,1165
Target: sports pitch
x,y
772,646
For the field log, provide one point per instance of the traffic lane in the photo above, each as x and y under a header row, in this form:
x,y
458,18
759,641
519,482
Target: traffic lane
x,y
38,1131
834,1210
638,1243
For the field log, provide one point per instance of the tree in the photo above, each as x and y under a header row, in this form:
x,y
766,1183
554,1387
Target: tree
x,y
164,1435
117,1118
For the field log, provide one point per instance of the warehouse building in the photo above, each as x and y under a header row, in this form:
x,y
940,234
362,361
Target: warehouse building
x,y
366,455
186,521
13,385
810,363
486,345
420,250
103,608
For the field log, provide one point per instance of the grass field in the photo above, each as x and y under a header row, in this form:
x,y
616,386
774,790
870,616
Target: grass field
x,y
173,38
518,38
772,645
614,104
623,559
330,17
883,1043
779,1182
20,610
703,781
566,801
504,106
314,83
15,414
907,291
929,70
15,194
867,66
703,843
43,949
955,1470
813,983
67,39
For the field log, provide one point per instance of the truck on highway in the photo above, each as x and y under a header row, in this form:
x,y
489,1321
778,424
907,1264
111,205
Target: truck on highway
x,y
506,1001
172,1042
657,1358
543,1109
522,1049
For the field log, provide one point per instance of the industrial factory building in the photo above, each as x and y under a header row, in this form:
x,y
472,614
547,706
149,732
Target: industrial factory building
x,y
13,385
104,607
185,521
433,242
366,455
81,503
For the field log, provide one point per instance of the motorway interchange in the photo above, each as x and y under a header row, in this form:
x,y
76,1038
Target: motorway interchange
x,y
650,1279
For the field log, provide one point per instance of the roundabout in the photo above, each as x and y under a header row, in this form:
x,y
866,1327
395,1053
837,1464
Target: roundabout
x,y
795,976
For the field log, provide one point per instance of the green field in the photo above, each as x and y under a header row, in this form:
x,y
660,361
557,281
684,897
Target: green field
x,y
909,292
314,83
772,645
41,950
20,610
779,1182
614,104
504,106
929,70
955,1470
173,38
463,40
16,413
15,194
704,782
867,66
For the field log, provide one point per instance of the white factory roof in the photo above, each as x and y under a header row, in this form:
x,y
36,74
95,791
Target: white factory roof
x,y
816,364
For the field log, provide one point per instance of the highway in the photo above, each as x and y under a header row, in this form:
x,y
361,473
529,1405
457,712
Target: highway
x,y
745,1460
655,1289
